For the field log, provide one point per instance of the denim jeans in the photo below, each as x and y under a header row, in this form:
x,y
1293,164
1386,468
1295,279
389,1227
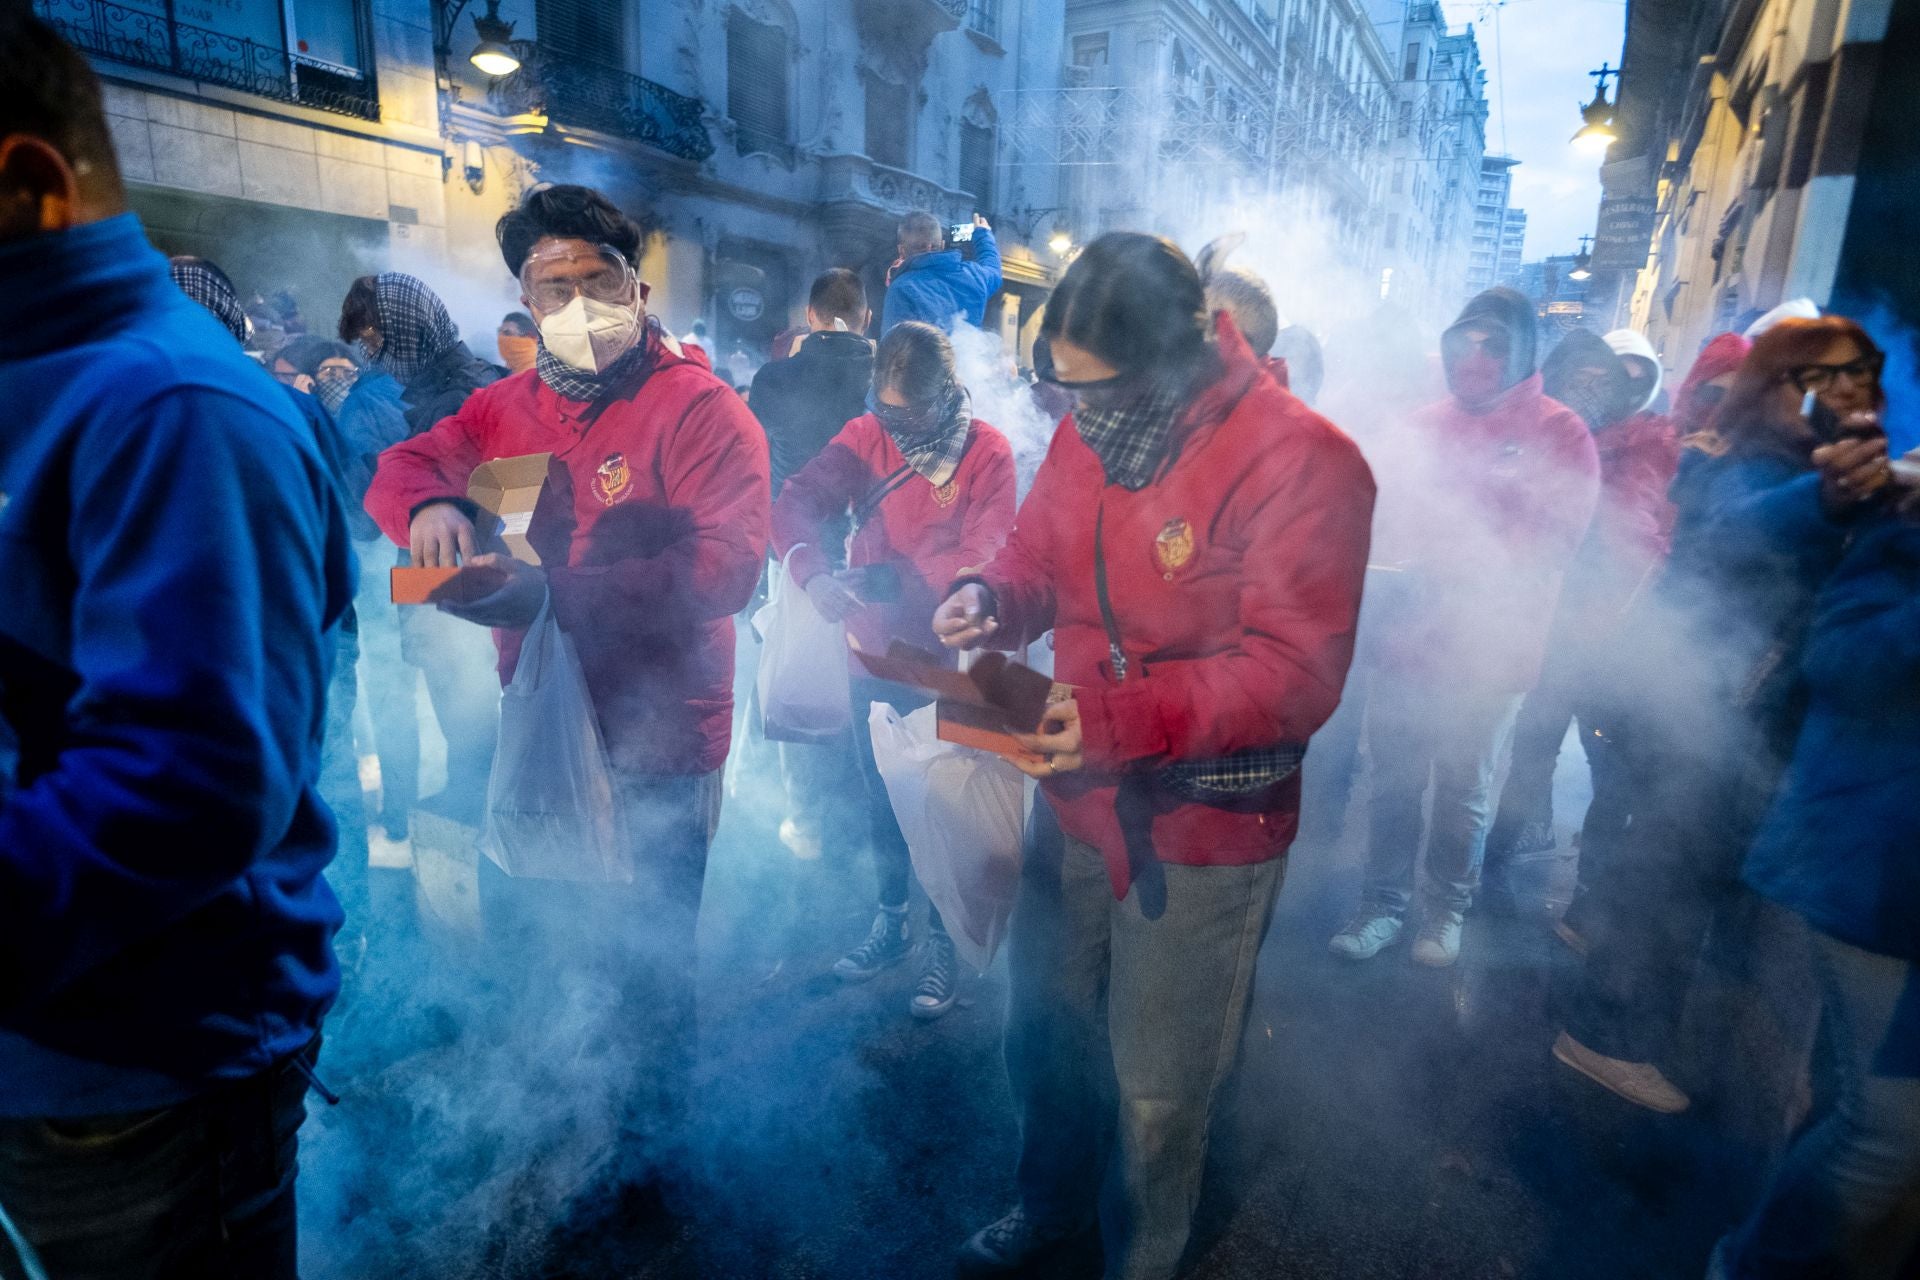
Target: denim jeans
x,y
198,1191
893,864
1456,742
1107,1004
1845,1202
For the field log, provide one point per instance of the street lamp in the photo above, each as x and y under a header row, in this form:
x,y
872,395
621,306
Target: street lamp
x,y
1060,242
1597,134
1582,261
494,55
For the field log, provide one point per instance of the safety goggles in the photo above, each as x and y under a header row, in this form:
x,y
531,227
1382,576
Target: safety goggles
x,y
1455,346
1863,372
554,276
1044,370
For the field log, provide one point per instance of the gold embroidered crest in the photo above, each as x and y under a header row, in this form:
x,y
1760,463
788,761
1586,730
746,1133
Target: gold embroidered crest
x,y
1174,547
946,494
612,480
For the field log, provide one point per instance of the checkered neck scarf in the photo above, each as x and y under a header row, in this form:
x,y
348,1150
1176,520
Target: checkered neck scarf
x,y
629,371
1131,439
209,286
935,452
415,329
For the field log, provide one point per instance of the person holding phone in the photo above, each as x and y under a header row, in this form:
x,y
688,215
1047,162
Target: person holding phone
x,y
930,489
1195,540
936,283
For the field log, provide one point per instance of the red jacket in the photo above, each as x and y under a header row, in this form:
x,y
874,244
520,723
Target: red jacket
x,y
1632,522
657,545
1236,579
1483,512
927,535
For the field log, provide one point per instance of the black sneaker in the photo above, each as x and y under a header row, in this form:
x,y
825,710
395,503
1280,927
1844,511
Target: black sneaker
x,y
887,944
1012,1244
939,977
1532,839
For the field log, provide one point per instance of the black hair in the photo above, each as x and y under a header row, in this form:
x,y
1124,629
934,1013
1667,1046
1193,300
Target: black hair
x,y
838,294
361,309
916,360
307,354
1133,300
520,322
921,228
566,212
52,94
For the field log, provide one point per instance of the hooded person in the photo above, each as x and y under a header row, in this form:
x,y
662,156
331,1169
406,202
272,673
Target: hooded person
x,y
1484,501
935,283
1707,383
933,490
1195,540
653,537
1610,383
403,329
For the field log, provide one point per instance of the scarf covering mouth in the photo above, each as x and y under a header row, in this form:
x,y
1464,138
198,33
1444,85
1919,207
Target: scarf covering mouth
x,y
415,329
212,290
935,450
1131,440
634,365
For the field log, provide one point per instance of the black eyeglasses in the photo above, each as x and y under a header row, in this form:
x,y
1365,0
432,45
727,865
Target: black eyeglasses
x,y
1044,370
1818,377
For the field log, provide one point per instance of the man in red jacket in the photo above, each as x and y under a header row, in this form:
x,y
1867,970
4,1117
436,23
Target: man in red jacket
x,y
932,489
1195,540
652,537
1484,500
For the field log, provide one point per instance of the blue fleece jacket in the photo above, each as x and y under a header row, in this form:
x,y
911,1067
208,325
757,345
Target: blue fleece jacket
x,y
172,563
936,287
1842,846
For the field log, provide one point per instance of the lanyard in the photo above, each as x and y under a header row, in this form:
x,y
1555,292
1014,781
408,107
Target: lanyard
x,y
1115,653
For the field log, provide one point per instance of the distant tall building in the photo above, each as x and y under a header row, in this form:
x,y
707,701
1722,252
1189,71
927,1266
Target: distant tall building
x,y
1499,231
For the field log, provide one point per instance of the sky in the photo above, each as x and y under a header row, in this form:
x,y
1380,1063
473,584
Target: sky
x,y
1537,54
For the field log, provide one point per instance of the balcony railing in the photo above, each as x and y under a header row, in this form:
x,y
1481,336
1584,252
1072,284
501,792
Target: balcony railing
x,y
609,100
117,33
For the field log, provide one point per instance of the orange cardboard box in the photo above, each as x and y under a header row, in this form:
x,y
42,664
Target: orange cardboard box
x,y
408,584
982,707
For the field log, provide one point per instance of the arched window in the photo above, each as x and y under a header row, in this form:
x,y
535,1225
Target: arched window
x,y
979,150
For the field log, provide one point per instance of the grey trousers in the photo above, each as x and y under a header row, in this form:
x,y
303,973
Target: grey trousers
x,y
1108,1004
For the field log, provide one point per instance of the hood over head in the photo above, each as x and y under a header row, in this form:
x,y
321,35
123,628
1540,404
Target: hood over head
x,y
1498,310
1630,344
1791,309
1599,404
209,286
1724,354
415,328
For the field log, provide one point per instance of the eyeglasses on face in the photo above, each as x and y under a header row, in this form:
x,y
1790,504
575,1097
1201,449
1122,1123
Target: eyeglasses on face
x,y
1818,377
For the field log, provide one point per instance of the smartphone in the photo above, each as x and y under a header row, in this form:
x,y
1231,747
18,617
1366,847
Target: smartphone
x,y
960,233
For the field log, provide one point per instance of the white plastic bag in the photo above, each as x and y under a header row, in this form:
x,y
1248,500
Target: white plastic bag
x,y
552,813
802,681
963,813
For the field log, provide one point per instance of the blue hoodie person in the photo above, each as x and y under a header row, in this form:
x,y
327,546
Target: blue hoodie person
x,y
174,563
934,283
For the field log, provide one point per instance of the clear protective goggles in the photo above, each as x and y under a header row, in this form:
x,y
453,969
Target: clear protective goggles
x,y
555,274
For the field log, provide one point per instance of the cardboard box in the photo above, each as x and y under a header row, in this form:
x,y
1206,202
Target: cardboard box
x,y
982,707
510,489
410,584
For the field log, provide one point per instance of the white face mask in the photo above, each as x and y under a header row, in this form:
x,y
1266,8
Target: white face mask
x,y
589,335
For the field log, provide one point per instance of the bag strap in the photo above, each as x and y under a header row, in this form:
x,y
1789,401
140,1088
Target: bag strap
x,y
1116,654
871,500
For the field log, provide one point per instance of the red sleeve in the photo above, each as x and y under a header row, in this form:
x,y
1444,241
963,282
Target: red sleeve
x,y
814,495
432,466
990,504
715,470
1021,574
1637,491
1306,535
1562,502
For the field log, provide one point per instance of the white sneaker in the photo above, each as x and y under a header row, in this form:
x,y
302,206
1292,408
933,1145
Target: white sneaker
x,y
1369,932
1439,942
1638,1082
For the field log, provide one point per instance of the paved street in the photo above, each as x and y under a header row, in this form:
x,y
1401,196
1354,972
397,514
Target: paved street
x,y
1390,1121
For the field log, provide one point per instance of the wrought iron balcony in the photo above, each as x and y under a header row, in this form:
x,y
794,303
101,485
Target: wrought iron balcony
x,y
119,33
607,99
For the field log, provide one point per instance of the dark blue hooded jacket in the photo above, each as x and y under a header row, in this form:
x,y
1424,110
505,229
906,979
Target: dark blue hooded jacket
x,y
935,287
1842,845
173,562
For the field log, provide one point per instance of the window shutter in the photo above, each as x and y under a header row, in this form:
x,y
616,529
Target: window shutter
x,y
757,83
888,115
586,29
977,163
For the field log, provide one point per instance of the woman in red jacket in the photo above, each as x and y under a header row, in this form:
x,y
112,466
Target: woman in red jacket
x,y
931,489
1196,540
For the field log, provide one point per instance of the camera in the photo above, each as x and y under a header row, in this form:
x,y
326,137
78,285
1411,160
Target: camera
x,y
960,233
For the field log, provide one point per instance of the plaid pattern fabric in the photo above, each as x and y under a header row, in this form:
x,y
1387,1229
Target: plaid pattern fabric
x,y
576,384
415,329
1131,440
1242,773
936,452
209,286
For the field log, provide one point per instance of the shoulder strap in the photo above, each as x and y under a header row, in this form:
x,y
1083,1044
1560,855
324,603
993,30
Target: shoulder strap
x,y
871,500
1115,652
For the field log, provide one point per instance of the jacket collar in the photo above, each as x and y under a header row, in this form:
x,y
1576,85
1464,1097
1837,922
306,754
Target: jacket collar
x,y
1517,398
68,287
936,260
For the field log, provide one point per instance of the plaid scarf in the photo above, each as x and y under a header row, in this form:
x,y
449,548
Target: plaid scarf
x,y
935,450
623,376
415,329
1131,439
208,285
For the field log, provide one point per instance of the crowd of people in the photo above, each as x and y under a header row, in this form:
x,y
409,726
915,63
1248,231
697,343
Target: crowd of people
x,y
1720,589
